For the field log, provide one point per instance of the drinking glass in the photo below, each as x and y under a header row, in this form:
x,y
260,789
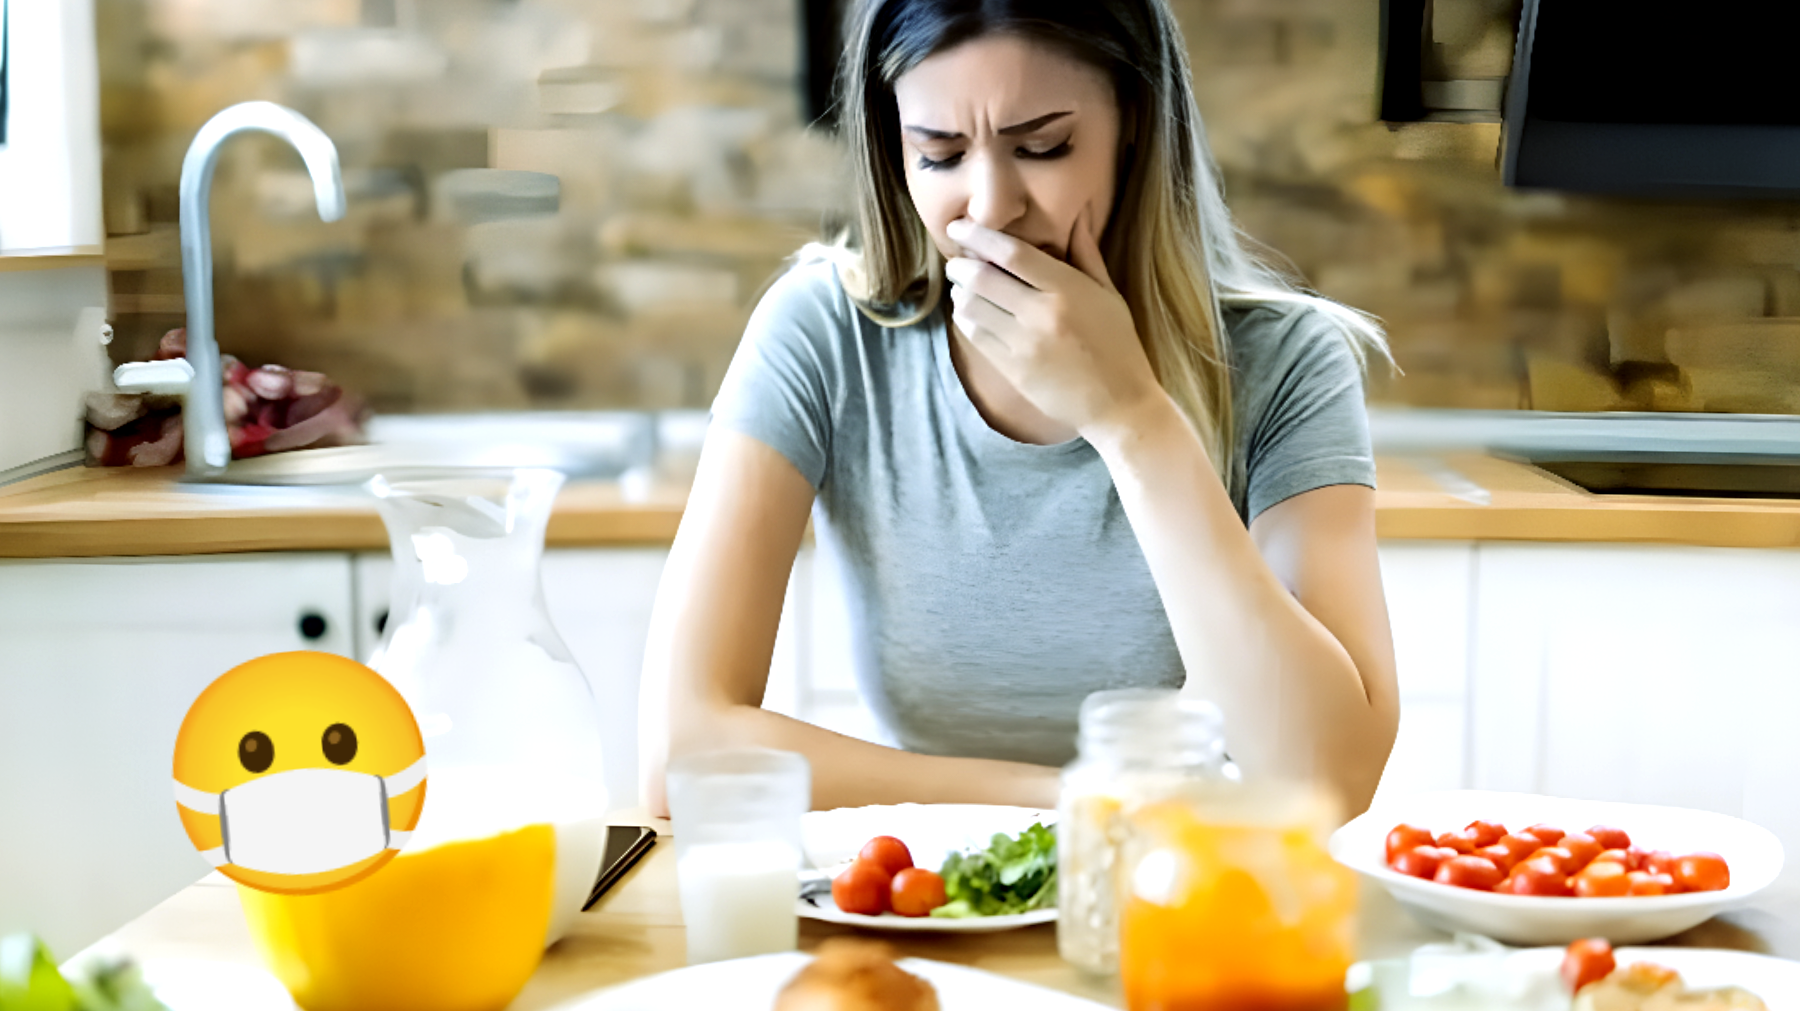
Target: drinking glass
x,y
736,819
1232,902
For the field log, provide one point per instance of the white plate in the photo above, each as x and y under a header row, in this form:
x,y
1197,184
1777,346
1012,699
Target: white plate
x,y
1753,853
754,982
1775,980
931,832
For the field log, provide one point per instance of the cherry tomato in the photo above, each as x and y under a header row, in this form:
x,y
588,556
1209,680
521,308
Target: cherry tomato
x,y
1609,837
1621,857
1587,961
887,853
1520,846
1645,883
917,892
1702,872
1660,862
1583,847
1635,857
862,888
1485,833
1537,875
1564,860
1469,872
1422,861
1549,833
1602,879
1502,857
1404,837
1462,842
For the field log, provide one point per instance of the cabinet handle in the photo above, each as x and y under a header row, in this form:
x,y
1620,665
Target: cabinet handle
x,y
313,625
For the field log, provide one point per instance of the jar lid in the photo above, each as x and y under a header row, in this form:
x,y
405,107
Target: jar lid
x,y
1152,724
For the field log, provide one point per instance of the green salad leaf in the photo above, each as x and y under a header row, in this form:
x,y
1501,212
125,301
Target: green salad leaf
x,y
30,981
1013,875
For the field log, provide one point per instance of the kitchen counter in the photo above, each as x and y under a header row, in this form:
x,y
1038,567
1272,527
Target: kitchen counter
x,y
92,512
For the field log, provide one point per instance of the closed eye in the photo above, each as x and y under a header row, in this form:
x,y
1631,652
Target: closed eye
x,y
1049,154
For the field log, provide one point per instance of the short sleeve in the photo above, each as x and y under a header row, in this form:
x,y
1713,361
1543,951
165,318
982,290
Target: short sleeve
x,y
1302,420
777,389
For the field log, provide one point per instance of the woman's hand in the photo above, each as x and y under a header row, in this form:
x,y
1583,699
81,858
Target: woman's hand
x,y
1059,332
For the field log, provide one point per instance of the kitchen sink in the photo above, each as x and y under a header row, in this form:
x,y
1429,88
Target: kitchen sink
x,y
602,444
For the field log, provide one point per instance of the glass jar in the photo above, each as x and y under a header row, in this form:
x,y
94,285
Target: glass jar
x,y
509,841
1134,746
1231,900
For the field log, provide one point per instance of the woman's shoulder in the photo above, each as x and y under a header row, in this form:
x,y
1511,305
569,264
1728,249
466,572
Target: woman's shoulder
x,y
1271,339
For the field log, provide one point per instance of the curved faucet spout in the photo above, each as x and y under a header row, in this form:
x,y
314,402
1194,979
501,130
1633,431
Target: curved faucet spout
x,y
204,440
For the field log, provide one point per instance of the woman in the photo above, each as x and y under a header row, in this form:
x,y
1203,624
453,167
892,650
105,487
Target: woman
x,y
1121,452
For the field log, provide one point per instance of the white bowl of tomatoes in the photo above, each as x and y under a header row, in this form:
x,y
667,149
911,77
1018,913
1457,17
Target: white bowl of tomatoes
x,y
1668,869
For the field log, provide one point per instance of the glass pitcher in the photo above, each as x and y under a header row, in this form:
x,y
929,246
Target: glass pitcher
x,y
510,840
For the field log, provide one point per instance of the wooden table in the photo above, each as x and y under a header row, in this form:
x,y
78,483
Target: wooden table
x,y
636,930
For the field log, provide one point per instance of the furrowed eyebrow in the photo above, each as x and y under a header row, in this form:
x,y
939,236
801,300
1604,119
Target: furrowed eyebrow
x,y
1028,126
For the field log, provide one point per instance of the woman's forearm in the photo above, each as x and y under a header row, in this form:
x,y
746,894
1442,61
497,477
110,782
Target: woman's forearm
x,y
1294,700
848,772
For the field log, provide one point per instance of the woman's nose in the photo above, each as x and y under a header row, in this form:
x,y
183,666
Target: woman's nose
x,y
997,195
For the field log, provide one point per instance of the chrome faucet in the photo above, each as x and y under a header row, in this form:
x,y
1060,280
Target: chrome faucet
x,y
197,379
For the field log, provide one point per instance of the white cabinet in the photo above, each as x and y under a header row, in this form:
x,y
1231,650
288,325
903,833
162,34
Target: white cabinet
x,y
99,661
1652,674
1429,587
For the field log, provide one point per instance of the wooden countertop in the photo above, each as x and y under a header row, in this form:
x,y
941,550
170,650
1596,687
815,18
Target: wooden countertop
x,y
636,930
94,512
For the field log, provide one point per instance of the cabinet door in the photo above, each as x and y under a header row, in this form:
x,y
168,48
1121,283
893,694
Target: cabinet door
x,y
99,661
1639,673
1428,587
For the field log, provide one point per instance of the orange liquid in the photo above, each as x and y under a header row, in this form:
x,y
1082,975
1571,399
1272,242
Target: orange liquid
x,y
454,927
1238,918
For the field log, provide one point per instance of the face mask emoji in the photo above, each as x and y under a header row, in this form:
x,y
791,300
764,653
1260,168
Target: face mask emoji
x,y
299,772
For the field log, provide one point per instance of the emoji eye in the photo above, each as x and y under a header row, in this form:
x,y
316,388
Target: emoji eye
x,y
256,752
339,743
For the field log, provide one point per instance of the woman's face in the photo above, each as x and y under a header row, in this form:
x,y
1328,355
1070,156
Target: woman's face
x,y
1013,135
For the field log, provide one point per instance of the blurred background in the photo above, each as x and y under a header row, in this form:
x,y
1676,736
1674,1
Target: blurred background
x,y
680,132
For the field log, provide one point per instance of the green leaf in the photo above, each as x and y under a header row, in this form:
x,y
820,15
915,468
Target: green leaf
x,y
1013,875
29,980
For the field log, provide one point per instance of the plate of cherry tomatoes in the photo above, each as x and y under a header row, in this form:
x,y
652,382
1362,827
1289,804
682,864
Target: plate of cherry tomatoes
x,y
882,864
1536,870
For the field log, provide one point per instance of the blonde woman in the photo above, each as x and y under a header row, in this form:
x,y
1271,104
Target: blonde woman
x,y
1058,430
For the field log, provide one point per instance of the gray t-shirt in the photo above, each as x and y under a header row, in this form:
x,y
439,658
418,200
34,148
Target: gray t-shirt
x,y
994,584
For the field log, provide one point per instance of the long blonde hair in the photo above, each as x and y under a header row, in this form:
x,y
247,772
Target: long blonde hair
x,y
1171,246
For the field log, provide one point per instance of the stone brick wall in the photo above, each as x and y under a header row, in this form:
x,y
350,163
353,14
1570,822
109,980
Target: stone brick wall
x,y
687,175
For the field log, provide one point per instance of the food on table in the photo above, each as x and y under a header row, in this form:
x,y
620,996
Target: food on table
x,y
472,914
1544,860
864,887
30,981
1013,875
1591,973
267,409
852,974
917,891
1702,872
1224,911
1587,961
888,852
1405,838
1469,872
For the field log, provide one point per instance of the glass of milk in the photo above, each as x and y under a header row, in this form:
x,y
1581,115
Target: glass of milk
x,y
736,819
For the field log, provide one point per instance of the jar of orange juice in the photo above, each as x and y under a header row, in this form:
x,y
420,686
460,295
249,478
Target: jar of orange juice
x,y
1232,903
509,840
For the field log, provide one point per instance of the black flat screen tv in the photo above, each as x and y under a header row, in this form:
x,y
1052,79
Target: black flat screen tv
x,y
1675,99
